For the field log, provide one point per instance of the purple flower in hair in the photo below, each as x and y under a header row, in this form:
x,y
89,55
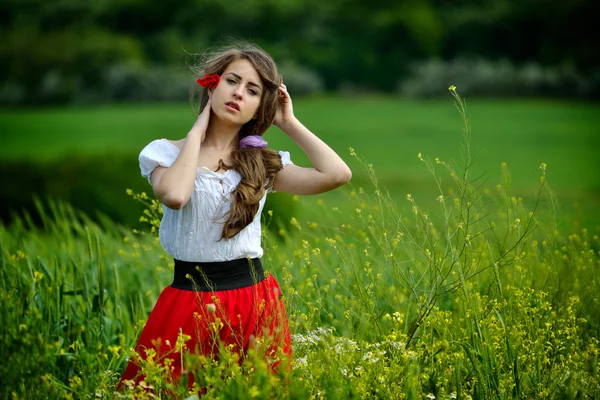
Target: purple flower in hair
x,y
253,141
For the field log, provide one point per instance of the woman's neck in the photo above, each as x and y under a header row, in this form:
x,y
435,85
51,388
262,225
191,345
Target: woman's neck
x,y
220,135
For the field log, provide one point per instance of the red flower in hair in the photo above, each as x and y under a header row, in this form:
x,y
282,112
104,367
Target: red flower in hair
x,y
209,81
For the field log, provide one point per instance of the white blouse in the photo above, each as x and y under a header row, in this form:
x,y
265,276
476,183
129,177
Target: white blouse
x,y
193,232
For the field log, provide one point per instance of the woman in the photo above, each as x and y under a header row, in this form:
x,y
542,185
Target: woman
x,y
213,186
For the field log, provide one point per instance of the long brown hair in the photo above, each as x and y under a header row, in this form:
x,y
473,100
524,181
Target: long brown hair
x,y
257,167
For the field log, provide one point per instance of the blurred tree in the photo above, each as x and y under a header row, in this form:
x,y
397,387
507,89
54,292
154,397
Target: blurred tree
x,y
54,49
545,31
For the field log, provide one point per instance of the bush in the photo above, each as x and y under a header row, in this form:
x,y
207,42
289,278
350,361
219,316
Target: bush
x,y
300,80
50,67
158,83
481,77
125,82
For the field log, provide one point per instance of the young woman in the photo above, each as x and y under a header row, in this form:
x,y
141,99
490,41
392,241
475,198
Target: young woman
x,y
213,186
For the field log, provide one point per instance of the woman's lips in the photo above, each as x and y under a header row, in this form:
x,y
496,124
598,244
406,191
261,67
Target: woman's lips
x,y
232,106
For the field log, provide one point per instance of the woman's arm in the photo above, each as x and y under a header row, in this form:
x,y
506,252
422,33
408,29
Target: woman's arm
x,y
329,171
173,186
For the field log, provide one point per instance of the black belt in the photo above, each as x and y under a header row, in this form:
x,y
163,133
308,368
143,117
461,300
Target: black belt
x,y
215,276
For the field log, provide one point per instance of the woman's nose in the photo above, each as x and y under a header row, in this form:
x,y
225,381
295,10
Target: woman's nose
x,y
238,92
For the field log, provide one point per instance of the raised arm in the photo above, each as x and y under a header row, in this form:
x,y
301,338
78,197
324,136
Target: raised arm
x,y
329,171
174,185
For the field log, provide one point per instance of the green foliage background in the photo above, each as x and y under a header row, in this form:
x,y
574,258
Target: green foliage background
x,y
71,51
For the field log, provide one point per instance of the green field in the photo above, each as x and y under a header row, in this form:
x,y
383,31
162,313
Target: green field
x,y
491,299
388,132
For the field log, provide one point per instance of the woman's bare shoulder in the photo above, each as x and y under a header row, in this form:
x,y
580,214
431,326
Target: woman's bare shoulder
x,y
177,143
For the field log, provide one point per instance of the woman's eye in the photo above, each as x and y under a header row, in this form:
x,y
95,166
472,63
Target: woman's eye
x,y
253,92
231,81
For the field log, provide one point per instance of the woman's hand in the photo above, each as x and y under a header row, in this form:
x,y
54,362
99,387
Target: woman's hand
x,y
285,110
201,124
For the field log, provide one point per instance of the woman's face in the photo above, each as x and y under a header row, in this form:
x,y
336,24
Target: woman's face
x,y
237,97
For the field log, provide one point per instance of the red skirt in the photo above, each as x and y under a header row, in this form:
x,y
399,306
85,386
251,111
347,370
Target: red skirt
x,y
231,304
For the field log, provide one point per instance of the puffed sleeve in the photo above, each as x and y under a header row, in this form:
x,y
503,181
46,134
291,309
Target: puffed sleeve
x,y
285,160
157,153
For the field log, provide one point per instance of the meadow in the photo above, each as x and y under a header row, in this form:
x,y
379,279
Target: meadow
x,y
388,132
440,285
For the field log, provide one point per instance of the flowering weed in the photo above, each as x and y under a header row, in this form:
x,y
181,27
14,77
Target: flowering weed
x,y
482,297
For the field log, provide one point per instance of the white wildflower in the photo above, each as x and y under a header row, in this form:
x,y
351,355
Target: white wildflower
x,y
398,345
300,362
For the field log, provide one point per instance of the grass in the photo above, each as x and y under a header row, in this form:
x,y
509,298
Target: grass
x,y
387,131
492,300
